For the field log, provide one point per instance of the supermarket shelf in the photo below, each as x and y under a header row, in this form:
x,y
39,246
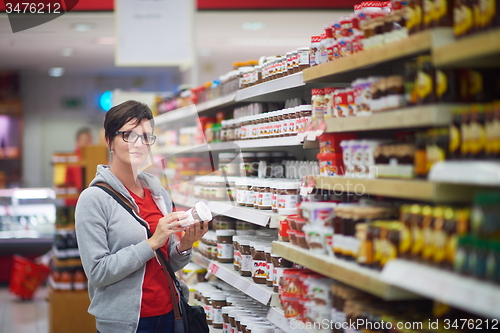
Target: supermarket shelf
x,y
259,292
482,49
197,258
404,189
472,295
171,150
290,141
277,317
267,91
216,103
412,117
176,115
414,44
486,173
262,218
271,142
349,273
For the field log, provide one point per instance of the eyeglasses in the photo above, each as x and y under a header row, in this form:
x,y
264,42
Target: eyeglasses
x,y
131,137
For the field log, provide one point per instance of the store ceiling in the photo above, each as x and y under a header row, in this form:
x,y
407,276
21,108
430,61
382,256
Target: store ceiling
x,y
220,40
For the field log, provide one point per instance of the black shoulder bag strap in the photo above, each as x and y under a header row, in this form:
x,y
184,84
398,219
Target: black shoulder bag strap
x,y
172,279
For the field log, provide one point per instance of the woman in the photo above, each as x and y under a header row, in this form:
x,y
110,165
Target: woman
x,y
128,289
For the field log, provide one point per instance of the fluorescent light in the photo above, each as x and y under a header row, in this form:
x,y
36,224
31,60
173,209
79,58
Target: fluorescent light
x,y
67,52
253,25
83,27
105,41
56,71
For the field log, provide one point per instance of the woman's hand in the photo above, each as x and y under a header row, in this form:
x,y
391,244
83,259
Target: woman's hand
x,y
167,226
192,234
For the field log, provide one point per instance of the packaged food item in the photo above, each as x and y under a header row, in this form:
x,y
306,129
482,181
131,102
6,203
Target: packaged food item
x,y
410,78
414,16
455,135
200,212
490,15
477,131
447,86
259,264
313,51
443,13
463,18
329,103
318,104
425,80
428,11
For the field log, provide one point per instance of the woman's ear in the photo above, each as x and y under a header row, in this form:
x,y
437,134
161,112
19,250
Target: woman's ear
x,y
108,144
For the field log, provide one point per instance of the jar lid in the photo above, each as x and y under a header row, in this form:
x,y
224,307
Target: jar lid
x,y
259,247
218,297
318,92
225,232
228,309
227,155
244,241
303,49
203,211
247,320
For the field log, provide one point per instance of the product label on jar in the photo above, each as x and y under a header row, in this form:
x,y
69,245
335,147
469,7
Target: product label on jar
x,y
225,251
277,275
259,269
226,328
237,258
304,59
287,200
208,311
246,263
292,126
269,272
277,128
249,199
217,316
265,199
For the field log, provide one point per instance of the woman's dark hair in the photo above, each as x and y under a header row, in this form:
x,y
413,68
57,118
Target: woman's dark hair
x,y
122,113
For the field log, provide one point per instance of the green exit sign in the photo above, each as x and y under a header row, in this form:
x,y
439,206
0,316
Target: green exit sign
x,y
73,103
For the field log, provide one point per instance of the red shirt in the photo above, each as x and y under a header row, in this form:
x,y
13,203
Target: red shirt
x,y
156,299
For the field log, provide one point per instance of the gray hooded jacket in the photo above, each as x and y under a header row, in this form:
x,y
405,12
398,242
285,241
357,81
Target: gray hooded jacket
x,y
114,251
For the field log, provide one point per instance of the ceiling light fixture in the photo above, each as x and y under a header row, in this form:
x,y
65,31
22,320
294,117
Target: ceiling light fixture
x,y
67,52
253,25
56,71
83,27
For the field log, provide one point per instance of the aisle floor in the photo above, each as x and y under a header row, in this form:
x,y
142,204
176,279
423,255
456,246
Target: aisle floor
x,y
18,316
